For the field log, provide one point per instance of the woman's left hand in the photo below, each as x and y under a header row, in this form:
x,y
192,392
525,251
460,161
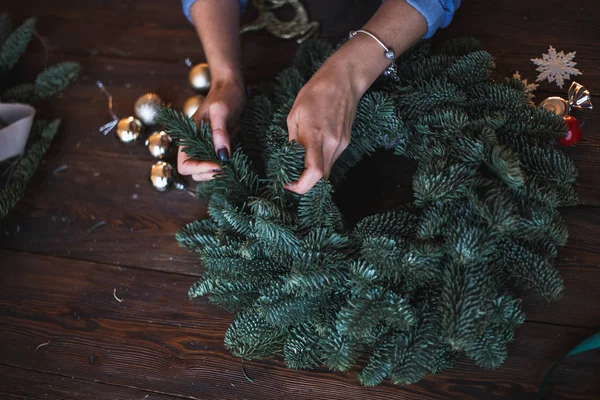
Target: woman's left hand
x,y
321,120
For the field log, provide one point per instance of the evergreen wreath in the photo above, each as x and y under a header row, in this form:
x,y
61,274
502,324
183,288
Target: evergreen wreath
x,y
16,173
402,293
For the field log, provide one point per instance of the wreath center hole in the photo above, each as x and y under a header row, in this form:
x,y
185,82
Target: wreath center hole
x,y
379,183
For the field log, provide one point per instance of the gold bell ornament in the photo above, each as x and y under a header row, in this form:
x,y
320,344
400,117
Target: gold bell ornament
x,y
128,129
192,104
163,177
158,143
199,77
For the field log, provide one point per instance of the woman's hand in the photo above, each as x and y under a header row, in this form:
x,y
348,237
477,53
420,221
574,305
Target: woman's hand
x,y
321,120
222,109
217,23
325,108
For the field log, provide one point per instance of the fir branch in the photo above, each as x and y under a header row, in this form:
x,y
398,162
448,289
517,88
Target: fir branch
x,y
14,46
196,143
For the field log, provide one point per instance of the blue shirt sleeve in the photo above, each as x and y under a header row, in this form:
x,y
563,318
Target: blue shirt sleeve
x,y
187,5
437,13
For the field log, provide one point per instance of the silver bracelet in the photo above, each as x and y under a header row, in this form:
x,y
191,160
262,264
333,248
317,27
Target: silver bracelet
x,y
391,71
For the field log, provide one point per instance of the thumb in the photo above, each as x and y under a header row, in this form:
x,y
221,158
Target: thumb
x,y
218,126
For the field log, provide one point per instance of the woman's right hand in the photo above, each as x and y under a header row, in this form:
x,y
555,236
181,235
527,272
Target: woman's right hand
x,y
222,109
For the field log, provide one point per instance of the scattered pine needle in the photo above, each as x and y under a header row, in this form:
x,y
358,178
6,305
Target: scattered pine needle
x,y
115,296
41,345
59,169
95,226
247,377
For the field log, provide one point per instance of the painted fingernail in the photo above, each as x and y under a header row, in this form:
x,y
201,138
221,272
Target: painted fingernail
x,y
216,170
223,154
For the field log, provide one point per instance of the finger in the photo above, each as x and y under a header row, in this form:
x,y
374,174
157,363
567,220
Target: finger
x,y
204,177
189,166
312,173
218,123
292,126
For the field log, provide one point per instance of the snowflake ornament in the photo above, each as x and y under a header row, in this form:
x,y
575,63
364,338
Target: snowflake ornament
x,y
529,87
556,67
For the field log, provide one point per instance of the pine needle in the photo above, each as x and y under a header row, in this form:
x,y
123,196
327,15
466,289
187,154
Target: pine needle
x,y
115,296
60,169
95,226
40,346
246,376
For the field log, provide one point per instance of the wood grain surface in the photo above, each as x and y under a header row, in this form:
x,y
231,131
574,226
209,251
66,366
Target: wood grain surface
x,y
59,278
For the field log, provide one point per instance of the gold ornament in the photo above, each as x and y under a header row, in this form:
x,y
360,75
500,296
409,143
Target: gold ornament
x,y
129,129
161,176
299,28
158,143
557,105
192,104
199,77
147,106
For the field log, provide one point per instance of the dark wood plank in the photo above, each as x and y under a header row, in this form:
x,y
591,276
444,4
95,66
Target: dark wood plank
x,y
23,384
514,31
59,209
159,340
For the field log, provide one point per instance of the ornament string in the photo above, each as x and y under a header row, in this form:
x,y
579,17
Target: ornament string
x,y
109,126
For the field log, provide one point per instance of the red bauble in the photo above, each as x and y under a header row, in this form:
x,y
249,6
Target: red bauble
x,y
573,133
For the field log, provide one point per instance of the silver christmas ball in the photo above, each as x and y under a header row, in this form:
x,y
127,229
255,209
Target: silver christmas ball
x,y
161,176
192,104
147,106
199,77
129,129
158,143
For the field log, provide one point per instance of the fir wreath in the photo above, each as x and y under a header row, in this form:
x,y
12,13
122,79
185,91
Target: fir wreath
x,y
408,290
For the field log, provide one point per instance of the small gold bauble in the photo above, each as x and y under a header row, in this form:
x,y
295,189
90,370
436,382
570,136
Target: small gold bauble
x,y
147,106
158,143
199,77
129,129
192,104
161,175
557,105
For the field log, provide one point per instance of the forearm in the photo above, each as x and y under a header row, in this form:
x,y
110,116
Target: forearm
x,y
398,25
217,23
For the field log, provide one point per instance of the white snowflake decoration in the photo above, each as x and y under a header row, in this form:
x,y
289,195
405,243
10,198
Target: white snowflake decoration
x,y
529,87
556,67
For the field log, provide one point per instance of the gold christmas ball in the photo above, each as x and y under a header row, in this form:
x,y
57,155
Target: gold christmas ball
x,y
199,77
129,129
146,107
161,175
557,105
158,143
192,104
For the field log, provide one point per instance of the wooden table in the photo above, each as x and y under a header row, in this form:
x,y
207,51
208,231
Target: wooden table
x,y
63,335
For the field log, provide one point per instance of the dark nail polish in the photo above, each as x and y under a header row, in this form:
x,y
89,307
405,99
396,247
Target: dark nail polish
x,y
216,170
223,154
